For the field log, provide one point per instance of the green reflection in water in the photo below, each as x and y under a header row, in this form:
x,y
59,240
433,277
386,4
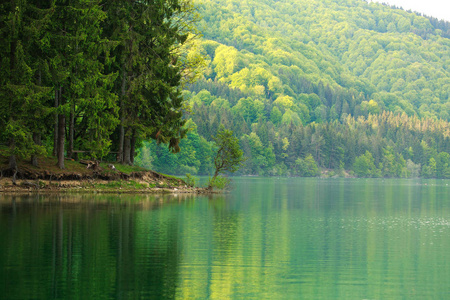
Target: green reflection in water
x,y
267,239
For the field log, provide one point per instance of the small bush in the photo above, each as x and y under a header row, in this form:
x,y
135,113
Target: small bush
x,y
191,180
219,182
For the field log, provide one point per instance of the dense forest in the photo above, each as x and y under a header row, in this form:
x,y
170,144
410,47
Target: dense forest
x,y
338,86
93,77
332,87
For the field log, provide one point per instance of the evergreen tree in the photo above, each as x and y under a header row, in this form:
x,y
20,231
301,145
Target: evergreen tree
x,y
149,35
22,107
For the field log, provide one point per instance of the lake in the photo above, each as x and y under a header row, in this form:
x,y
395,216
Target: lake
x,y
269,238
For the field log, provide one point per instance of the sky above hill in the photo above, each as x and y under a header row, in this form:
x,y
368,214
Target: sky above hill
x,y
436,8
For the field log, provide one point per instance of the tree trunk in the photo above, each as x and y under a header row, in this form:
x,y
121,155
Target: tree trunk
x,y
12,157
71,131
133,146
36,136
216,173
120,154
55,125
61,135
127,151
37,141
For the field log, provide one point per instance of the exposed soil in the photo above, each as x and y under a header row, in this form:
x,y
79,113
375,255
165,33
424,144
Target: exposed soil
x,y
94,185
80,177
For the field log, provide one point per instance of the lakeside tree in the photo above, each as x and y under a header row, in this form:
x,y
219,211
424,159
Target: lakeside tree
x,y
229,156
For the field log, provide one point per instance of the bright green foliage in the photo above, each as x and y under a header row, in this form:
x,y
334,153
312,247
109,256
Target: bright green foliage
x,y
195,156
364,166
191,180
429,170
276,115
356,58
219,182
443,165
336,79
307,167
393,164
250,109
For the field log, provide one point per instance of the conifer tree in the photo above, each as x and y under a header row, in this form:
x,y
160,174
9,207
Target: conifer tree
x,y
83,93
149,34
22,98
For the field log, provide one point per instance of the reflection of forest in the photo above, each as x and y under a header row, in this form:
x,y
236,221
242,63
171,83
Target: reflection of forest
x,y
269,239
81,246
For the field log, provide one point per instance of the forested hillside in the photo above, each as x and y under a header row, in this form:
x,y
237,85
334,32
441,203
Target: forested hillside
x,y
321,84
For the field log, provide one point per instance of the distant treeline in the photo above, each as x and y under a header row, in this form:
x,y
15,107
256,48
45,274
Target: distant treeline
x,y
439,24
384,145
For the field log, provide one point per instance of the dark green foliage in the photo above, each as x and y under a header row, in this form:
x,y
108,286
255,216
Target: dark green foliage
x,y
86,67
22,98
385,145
149,78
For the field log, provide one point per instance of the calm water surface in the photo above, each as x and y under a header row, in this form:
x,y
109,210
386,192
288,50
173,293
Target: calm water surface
x,y
267,239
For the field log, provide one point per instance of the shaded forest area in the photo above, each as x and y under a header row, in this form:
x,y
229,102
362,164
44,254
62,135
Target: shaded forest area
x,y
92,78
342,86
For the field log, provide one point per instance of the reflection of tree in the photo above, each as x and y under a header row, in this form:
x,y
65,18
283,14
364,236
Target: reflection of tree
x,y
76,247
146,256
225,229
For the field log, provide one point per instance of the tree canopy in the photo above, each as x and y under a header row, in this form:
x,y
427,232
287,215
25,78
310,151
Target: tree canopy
x,y
327,80
93,76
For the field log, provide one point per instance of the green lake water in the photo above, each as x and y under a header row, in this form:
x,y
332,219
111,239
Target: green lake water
x,y
267,239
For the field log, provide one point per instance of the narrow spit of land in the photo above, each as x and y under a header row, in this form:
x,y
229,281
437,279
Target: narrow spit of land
x,y
88,176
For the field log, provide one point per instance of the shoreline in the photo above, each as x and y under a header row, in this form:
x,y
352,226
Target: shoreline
x,y
95,186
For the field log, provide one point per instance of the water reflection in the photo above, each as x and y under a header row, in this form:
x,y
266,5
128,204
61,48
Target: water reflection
x,y
88,247
268,239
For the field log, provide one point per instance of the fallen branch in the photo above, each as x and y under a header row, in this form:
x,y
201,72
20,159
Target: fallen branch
x,y
30,184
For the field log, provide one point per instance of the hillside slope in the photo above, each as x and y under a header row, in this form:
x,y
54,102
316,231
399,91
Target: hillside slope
x,y
324,81
345,52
